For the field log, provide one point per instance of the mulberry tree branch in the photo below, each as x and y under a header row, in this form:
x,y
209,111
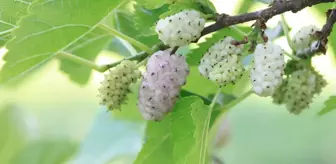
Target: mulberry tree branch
x,y
331,19
326,31
278,7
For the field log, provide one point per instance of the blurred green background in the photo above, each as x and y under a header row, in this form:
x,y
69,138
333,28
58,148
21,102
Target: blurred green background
x,y
50,120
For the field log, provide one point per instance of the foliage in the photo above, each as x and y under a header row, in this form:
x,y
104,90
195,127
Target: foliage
x,y
175,143
329,105
75,32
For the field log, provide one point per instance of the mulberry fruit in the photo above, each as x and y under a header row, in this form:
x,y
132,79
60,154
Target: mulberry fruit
x,y
303,39
180,29
320,82
115,86
266,75
161,83
279,94
300,90
221,63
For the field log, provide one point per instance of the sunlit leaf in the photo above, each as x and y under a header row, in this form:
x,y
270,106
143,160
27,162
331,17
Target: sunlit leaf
x,y
50,28
10,13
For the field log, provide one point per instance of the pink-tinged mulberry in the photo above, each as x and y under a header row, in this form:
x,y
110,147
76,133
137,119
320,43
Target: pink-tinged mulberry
x,y
161,83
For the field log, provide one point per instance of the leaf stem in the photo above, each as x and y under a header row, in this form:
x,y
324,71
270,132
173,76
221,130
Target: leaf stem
x,y
206,129
238,100
126,38
292,56
286,31
80,60
100,68
240,32
214,100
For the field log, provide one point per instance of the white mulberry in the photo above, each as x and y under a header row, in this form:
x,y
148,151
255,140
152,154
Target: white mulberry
x,y
115,86
161,83
180,29
268,69
300,90
303,39
221,63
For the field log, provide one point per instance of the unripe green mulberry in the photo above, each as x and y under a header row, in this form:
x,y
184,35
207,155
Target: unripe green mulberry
x,y
320,82
221,63
279,94
300,90
115,86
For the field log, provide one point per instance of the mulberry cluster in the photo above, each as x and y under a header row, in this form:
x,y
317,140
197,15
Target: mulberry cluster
x,y
180,29
115,87
268,69
161,83
221,63
298,91
303,39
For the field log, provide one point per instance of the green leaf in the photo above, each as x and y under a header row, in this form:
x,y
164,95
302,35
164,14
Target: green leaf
x,y
242,85
158,146
203,6
177,138
124,20
121,47
46,152
152,4
13,125
208,6
178,7
10,13
129,111
329,105
196,54
50,28
183,136
88,48
145,19
199,114
195,79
